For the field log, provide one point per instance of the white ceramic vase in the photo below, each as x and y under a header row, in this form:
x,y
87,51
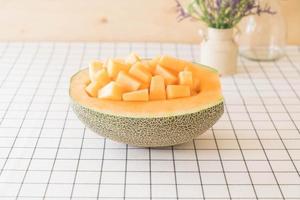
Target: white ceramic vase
x,y
219,50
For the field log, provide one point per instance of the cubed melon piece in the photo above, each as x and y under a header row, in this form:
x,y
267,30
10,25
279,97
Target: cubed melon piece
x,y
151,64
144,86
139,72
196,81
178,91
115,66
94,67
186,78
157,88
111,91
172,63
168,76
132,58
139,95
93,87
127,82
102,77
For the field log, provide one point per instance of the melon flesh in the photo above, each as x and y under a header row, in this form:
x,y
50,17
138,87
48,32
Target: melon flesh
x,y
172,63
132,58
155,75
92,88
210,93
94,67
196,85
139,72
196,79
111,91
151,64
127,82
157,88
102,77
167,75
186,78
178,91
115,66
144,86
139,95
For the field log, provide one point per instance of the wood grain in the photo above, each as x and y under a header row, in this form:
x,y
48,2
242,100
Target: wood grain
x,y
103,20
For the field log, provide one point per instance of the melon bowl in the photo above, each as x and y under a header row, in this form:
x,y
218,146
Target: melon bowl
x,y
153,123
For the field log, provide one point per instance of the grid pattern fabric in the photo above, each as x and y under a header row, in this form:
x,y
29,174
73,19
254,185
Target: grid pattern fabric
x,y
252,152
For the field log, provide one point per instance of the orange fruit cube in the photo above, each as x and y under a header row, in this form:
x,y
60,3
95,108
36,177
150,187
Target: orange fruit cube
x,y
157,88
115,66
132,58
94,67
111,91
169,78
172,63
186,78
127,82
178,91
139,72
139,95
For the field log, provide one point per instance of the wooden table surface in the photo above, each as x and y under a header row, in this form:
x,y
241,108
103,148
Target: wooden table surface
x,y
114,20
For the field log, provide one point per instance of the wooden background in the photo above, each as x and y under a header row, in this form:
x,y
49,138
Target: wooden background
x,y
109,20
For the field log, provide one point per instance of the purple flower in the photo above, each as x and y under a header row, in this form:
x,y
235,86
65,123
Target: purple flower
x,y
218,5
221,13
181,12
234,3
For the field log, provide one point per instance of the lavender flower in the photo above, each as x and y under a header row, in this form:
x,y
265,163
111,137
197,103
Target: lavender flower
x,y
221,14
181,12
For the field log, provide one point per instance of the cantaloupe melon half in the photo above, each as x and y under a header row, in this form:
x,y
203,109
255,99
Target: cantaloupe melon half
x,y
152,123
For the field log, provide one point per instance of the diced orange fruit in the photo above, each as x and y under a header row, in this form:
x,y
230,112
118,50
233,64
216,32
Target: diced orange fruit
x,y
92,88
111,91
157,88
151,64
186,78
134,79
172,63
178,91
102,77
139,72
196,81
139,95
144,86
127,82
168,76
133,58
94,67
115,66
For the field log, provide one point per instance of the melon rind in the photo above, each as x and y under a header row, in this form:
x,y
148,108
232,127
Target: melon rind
x,y
150,132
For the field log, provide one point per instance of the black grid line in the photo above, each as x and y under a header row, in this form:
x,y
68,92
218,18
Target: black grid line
x,y
83,137
149,152
286,112
222,164
104,145
260,141
13,65
68,111
38,137
7,109
194,145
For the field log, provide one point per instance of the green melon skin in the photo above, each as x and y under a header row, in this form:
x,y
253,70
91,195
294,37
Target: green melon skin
x,y
150,132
